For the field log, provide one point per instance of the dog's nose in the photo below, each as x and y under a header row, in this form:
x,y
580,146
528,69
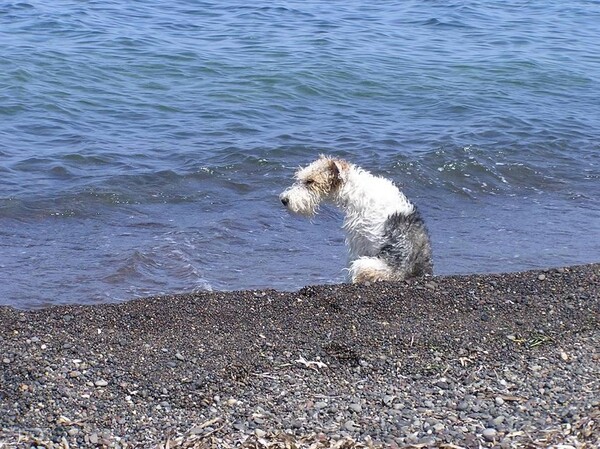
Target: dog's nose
x,y
284,201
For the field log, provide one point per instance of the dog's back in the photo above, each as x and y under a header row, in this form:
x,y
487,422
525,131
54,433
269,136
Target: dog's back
x,y
407,246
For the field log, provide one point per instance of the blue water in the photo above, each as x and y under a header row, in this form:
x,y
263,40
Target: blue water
x,y
143,144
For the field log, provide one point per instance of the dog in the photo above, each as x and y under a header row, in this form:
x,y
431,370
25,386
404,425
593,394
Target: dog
x,y
386,236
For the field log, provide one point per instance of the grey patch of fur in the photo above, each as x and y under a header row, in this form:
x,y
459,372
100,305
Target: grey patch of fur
x,y
408,248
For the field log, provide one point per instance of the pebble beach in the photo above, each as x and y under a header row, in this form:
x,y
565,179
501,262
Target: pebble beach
x,y
491,361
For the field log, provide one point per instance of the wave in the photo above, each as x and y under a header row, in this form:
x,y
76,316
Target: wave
x,y
78,184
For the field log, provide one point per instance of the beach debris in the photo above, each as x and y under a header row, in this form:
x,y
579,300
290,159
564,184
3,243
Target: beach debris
x,y
312,364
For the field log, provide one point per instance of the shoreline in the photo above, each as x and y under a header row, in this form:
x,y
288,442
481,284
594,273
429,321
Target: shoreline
x,y
500,360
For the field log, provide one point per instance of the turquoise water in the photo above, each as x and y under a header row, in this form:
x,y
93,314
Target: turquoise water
x,y
143,144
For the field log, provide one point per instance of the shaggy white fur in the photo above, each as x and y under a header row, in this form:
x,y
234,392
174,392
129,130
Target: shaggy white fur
x,y
385,235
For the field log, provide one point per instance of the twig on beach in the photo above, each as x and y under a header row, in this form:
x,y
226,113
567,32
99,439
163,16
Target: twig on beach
x,y
265,375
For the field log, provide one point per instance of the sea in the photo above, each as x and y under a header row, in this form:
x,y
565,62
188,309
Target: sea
x,y
143,144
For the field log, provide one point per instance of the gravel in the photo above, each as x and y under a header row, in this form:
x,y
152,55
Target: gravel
x,y
501,361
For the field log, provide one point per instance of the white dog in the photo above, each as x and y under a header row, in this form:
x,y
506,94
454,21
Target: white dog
x,y
386,235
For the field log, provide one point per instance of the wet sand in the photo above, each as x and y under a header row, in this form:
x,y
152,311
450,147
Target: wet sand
x,y
509,360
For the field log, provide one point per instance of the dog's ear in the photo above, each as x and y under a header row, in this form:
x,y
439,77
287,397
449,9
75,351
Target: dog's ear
x,y
336,168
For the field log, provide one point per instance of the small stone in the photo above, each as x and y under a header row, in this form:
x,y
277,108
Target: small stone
x,y
498,421
499,401
320,405
239,425
431,285
462,406
74,373
542,277
259,433
351,426
388,400
413,437
93,438
564,356
355,407
196,430
489,434
443,384
179,356
101,383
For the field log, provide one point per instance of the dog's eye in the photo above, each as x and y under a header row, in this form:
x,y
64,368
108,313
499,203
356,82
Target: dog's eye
x,y
309,182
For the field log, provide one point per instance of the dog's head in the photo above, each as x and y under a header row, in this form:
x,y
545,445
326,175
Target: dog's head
x,y
318,182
